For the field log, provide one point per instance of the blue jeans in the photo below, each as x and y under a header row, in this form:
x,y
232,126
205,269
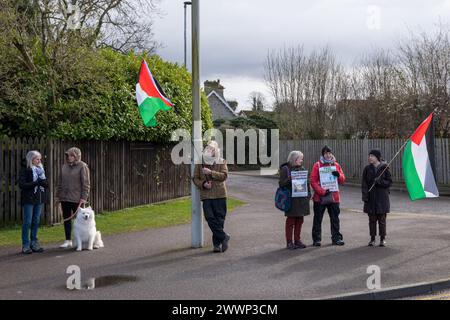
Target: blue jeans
x,y
31,218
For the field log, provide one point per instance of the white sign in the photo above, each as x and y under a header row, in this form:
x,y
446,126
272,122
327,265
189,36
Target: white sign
x,y
327,180
299,183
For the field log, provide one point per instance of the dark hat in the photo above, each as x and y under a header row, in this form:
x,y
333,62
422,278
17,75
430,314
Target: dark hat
x,y
376,153
325,150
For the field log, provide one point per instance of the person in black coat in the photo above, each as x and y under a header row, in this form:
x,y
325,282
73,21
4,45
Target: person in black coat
x,y
32,183
299,205
377,176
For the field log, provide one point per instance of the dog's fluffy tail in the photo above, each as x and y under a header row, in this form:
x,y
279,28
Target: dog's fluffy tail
x,y
98,242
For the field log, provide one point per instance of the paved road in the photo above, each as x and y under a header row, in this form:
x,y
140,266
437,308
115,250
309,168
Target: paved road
x,y
158,264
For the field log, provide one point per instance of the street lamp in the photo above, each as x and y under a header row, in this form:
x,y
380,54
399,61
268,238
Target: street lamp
x,y
197,217
186,3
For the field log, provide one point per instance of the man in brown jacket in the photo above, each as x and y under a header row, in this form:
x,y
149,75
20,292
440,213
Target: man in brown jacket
x,y
73,188
210,179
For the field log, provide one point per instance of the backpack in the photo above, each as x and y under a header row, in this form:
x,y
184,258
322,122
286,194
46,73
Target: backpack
x,y
283,199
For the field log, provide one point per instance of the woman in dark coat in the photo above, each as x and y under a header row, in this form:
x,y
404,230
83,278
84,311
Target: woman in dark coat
x,y
299,206
376,202
32,184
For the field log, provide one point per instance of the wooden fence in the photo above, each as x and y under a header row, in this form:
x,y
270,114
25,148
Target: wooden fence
x,y
123,174
353,155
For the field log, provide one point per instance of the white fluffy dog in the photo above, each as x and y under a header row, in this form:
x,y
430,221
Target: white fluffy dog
x,y
85,233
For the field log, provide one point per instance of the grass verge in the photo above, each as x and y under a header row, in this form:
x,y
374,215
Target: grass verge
x,y
164,214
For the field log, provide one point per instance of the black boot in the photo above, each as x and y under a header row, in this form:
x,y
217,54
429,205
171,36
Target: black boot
x,y
299,245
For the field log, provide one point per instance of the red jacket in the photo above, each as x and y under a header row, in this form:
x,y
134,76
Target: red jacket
x,y
315,181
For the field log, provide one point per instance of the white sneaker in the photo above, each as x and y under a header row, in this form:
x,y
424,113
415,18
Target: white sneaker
x,y
66,244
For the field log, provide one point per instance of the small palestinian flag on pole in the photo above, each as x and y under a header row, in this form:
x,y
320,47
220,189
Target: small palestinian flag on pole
x,y
417,169
150,97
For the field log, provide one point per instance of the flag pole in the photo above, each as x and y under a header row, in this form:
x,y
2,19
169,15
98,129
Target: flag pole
x,y
431,141
404,144
197,144
398,152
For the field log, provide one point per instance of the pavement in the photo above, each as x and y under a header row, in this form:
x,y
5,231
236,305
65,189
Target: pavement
x,y
159,263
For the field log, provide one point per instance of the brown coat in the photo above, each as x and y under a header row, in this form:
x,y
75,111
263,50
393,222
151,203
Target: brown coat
x,y
218,176
74,182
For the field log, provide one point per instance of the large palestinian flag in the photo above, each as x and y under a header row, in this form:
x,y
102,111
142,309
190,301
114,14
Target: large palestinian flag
x,y
150,97
419,177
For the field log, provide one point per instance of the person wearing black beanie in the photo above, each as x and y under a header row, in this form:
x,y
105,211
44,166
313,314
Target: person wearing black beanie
x,y
376,153
376,178
326,149
326,199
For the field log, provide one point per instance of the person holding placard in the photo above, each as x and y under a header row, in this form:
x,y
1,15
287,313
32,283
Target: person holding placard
x,y
326,176
294,176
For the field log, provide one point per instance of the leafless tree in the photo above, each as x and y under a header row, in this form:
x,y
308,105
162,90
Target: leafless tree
x,y
58,24
310,84
257,101
424,63
386,94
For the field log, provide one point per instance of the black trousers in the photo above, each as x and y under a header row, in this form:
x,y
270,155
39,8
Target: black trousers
x,y
333,212
68,208
215,211
381,219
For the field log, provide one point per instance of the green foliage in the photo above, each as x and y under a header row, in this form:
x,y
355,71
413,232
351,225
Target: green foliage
x,y
254,121
219,122
262,122
92,97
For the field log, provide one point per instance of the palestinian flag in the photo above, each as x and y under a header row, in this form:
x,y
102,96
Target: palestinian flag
x,y
419,177
150,97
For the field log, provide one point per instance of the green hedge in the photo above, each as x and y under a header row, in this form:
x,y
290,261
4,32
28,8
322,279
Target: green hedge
x,y
93,98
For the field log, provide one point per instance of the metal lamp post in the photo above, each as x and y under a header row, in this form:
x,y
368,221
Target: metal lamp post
x,y
197,145
186,3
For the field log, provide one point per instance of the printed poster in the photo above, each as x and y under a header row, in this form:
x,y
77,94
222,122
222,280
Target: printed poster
x,y
299,184
327,180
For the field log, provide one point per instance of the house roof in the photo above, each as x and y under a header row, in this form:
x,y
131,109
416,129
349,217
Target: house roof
x,y
224,102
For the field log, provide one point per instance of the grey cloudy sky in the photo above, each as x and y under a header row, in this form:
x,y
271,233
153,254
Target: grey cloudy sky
x,y
237,34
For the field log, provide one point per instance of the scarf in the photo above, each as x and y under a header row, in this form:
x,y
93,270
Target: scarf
x,y
38,172
209,159
325,161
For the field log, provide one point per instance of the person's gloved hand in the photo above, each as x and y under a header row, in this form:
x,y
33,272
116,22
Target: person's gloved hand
x,y
327,192
336,174
378,179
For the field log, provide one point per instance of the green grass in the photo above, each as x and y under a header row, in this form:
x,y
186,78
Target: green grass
x,y
158,215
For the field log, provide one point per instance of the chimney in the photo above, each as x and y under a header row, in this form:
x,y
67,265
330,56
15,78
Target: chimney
x,y
214,86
